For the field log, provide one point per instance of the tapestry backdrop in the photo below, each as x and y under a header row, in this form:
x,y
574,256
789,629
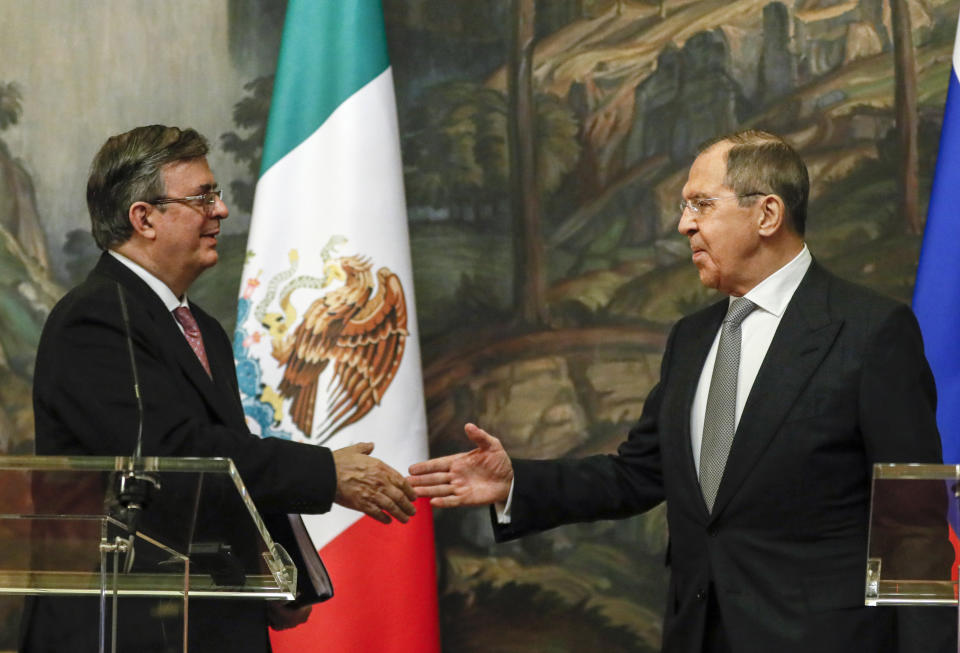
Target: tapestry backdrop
x,y
545,144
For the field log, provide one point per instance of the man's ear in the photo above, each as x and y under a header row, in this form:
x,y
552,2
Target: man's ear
x,y
141,216
773,215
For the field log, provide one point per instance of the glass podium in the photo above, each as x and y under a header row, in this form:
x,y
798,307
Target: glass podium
x,y
911,554
114,528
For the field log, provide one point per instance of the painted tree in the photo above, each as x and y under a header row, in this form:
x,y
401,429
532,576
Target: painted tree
x,y
250,115
530,284
10,104
456,154
557,147
18,204
905,98
454,148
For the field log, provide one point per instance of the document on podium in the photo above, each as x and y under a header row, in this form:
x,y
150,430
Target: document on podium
x,y
316,571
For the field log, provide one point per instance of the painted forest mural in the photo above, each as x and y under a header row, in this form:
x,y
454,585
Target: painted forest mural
x,y
545,143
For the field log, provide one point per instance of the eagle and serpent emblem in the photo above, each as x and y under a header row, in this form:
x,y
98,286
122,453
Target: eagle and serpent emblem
x,y
358,329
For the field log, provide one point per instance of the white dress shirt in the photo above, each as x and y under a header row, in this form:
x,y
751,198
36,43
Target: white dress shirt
x,y
169,299
757,330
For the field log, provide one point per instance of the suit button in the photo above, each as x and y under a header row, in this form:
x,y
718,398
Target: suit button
x,y
701,595
713,531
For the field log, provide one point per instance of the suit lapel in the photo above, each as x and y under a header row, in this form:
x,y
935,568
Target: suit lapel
x,y
220,359
169,337
691,352
212,390
802,340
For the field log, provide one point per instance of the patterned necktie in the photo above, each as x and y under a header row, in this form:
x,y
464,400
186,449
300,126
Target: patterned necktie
x,y
720,417
192,333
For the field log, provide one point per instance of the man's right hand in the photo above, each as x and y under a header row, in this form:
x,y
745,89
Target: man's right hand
x,y
371,486
474,478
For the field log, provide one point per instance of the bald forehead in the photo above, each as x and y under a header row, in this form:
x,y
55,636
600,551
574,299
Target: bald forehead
x,y
717,151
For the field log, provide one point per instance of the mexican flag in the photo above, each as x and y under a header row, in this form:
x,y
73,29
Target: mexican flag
x,y
326,343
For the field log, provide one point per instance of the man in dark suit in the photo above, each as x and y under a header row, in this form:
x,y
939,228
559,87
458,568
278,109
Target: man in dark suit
x,y
771,408
156,212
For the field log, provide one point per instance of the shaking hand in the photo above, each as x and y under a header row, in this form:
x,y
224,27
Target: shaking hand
x,y
371,486
474,478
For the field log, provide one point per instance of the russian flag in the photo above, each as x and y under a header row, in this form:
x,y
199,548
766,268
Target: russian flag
x,y
936,295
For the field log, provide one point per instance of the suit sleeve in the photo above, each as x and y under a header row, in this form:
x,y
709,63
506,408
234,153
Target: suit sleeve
x,y
898,396
85,405
548,493
898,418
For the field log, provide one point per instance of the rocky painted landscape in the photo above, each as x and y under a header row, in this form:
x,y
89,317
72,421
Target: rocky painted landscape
x,y
625,91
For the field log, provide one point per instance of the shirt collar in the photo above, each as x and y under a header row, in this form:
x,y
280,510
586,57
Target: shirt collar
x,y
170,300
774,293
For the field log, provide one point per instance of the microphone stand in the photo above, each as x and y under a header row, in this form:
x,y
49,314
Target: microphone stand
x,y
133,488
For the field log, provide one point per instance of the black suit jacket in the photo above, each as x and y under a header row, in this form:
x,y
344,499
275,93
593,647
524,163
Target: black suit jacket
x,y
844,385
84,405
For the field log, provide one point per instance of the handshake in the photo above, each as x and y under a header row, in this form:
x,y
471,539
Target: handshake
x,y
478,477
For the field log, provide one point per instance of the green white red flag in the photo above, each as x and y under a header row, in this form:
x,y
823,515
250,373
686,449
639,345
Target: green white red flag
x,y
326,343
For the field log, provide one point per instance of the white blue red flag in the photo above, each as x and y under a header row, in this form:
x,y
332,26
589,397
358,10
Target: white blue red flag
x,y
936,295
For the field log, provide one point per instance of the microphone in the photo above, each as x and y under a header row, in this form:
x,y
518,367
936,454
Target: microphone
x,y
133,368
134,487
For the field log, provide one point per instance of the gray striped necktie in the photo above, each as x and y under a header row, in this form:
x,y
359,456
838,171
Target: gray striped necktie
x,y
720,417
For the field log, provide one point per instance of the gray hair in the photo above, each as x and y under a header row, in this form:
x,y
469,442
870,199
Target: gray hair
x,y
127,169
761,162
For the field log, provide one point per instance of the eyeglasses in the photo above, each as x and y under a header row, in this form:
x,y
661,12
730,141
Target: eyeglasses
x,y
207,199
697,205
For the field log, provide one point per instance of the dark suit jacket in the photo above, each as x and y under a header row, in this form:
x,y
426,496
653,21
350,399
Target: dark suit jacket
x,y
843,385
84,405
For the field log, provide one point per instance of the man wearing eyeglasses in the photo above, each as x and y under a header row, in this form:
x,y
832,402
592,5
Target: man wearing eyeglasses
x,y
156,211
771,408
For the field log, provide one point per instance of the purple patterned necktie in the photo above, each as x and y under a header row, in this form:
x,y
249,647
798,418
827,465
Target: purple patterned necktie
x,y
192,333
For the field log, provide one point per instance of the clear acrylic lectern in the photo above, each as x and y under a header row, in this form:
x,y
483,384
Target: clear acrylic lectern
x,y
66,523
911,559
